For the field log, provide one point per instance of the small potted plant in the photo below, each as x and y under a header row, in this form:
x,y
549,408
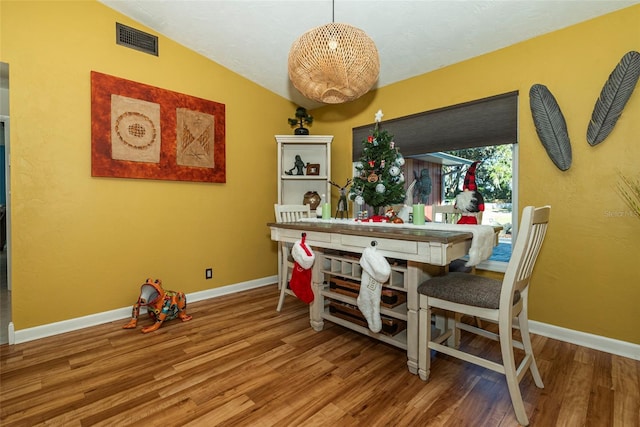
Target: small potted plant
x,y
302,118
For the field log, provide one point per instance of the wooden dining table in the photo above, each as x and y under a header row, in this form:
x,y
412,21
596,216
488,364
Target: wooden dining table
x,y
427,251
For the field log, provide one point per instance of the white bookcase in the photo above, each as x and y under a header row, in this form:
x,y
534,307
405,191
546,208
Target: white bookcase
x,y
312,149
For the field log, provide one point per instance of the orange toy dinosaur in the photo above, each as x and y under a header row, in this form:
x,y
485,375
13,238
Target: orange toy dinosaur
x,y
161,305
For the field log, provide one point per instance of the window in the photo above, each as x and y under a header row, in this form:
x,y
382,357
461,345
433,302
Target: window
x,y
485,125
495,181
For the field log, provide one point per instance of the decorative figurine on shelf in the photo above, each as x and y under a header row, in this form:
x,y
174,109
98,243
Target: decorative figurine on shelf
x,y
470,200
298,166
311,198
342,208
302,118
161,305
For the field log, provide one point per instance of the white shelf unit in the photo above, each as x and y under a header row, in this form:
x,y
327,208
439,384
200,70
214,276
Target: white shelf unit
x,y
348,267
314,149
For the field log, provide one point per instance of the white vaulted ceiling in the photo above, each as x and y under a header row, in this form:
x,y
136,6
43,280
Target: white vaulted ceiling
x,y
253,37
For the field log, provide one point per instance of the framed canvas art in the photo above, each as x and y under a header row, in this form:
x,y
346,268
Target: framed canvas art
x,y
141,131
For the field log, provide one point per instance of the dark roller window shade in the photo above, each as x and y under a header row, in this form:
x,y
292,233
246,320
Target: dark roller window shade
x,y
487,121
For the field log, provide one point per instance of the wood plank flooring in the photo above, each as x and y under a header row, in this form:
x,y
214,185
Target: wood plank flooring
x,y
240,363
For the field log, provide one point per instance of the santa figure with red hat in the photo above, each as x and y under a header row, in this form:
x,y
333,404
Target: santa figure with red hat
x,y
470,201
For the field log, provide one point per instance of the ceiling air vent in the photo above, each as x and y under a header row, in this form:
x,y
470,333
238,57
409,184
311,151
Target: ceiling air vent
x,y
136,39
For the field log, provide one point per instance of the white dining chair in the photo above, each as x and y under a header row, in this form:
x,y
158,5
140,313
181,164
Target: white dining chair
x,y
449,214
287,213
502,302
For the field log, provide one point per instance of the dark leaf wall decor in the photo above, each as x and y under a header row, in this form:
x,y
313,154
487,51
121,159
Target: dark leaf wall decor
x,y
550,125
613,97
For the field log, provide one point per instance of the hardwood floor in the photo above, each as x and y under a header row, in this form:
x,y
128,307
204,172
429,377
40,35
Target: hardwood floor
x,y
240,363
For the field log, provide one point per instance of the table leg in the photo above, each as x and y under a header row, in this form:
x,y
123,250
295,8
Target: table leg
x,y
317,284
417,273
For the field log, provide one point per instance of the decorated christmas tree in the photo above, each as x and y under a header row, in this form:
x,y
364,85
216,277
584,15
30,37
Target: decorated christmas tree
x,y
379,180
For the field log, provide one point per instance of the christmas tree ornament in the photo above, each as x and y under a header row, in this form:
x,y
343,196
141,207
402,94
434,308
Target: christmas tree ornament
x,y
372,177
375,271
383,162
380,188
370,139
400,160
392,144
358,165
356,195
394,171
398,179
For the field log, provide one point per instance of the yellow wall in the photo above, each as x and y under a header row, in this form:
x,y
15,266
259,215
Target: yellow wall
x,y
83,245
587,277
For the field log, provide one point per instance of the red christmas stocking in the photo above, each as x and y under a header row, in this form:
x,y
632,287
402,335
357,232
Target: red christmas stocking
x,y
300,282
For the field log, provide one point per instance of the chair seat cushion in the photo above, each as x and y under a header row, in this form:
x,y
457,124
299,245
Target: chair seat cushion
x,y
468,289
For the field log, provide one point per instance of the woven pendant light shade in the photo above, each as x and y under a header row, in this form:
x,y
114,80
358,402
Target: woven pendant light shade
x,y
334,63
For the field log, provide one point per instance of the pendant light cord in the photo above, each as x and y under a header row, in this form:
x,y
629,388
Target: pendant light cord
x,y
333,11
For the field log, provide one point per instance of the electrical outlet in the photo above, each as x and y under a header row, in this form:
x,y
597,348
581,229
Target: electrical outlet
x,y
208,273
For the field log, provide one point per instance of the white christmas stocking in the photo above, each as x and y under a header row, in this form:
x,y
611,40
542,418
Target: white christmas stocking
x,y
375,271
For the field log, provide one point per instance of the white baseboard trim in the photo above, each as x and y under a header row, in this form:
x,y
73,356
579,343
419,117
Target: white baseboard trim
x,y
30,334
596,342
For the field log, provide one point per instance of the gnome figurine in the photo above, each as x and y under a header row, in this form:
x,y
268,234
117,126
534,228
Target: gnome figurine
x,y
470,201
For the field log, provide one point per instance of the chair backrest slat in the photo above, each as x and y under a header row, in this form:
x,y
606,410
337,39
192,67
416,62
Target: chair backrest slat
x,y
449,214
531,234
291,213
